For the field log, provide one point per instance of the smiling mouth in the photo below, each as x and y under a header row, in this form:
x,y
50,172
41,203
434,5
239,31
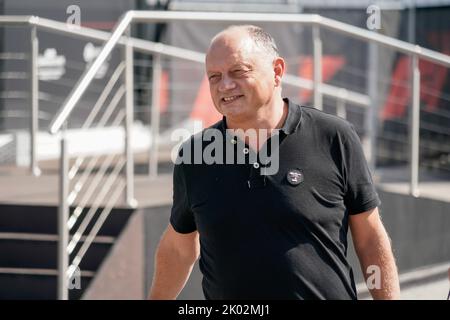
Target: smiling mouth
x,y
227,100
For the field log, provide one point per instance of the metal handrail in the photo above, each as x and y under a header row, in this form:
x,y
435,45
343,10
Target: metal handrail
x,y
317,22
90,73
328,90
311,19
13,56
167,50
158,16
22,114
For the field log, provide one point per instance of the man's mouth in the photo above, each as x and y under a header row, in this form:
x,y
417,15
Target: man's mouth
x,y
230,99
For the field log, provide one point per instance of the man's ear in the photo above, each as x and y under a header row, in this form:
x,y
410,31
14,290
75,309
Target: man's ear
x,y
279,67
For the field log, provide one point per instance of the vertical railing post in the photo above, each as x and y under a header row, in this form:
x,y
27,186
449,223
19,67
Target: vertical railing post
x,y
34,99
371,115
129,109
63,217
414,127
154,126
317,66
341,110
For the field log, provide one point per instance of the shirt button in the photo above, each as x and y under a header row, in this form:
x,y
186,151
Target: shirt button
x,y
233,141
245,151
256,165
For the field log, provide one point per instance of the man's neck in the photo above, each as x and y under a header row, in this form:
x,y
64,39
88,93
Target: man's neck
x,y
269,118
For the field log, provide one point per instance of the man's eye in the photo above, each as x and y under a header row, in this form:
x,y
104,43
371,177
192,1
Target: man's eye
x,y
239,71
213,77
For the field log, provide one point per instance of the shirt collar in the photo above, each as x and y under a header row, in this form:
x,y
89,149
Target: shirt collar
x,y
291,122
293,118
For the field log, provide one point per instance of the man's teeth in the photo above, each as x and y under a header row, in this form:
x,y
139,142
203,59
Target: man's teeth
x,y
230,98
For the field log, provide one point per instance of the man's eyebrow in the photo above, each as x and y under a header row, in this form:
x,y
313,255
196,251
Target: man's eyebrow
x,y
240,65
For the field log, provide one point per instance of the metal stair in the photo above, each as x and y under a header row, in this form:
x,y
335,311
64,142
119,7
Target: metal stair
x,y
28,251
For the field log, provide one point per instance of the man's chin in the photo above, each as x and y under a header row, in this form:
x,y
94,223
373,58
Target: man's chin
x,y
235,106
232,111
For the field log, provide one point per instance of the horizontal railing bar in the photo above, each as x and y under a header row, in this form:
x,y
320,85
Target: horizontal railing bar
x,y
311,19
164,16
47,237
96,228
148,46
94,184
80,183
328,90
14,75
96,204
16,20
24,114
386,41
198,57
98,105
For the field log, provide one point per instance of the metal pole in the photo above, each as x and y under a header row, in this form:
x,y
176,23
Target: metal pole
x,y
63,217
317,65
414,127
34,97
154,126
89,74
341,110
129,103
371,118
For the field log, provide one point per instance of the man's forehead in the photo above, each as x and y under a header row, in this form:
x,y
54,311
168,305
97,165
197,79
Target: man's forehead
x,y
227,49
227,60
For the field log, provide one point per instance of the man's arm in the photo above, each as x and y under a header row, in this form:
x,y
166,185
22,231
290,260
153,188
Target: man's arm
x,y
373,248
174,260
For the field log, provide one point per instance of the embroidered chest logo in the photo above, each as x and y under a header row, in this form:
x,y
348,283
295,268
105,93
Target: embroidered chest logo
x,y
294,177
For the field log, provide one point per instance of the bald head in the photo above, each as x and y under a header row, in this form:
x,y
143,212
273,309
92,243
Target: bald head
x,y
249,38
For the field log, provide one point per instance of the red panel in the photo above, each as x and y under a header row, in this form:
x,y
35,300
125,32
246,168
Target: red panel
x,y
330,66
204,109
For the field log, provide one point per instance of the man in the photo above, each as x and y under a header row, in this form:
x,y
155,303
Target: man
x,y
278,236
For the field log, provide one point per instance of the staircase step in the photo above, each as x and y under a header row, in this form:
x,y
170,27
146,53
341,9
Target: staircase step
x,y
29,244
40,251
43,219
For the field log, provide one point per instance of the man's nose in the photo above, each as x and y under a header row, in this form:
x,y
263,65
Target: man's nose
x,y
226,84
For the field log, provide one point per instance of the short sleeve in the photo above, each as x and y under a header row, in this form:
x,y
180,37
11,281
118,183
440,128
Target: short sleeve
x,y
361,194
181,217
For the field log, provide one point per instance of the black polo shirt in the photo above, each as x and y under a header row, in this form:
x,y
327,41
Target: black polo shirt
x,y
279,236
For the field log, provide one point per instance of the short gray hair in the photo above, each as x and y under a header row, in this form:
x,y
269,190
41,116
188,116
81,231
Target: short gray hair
x,y
262,39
